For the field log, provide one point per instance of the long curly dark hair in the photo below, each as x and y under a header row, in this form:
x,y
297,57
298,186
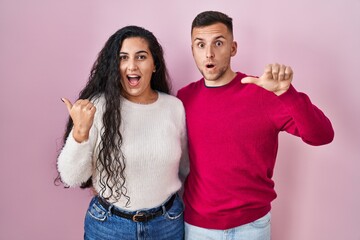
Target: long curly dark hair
x,y
105,80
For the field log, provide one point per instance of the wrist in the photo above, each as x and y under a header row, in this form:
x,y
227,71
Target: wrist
x,y
280,92
80,135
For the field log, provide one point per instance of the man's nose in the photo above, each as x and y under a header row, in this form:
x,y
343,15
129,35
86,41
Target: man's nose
x,y
210,52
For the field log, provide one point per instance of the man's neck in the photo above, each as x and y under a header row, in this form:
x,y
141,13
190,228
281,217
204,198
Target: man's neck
x,y
222,81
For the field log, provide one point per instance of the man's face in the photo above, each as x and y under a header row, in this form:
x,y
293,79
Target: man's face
x,y
212,48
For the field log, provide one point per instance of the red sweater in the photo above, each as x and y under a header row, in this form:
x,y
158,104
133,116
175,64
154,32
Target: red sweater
x,y
233,141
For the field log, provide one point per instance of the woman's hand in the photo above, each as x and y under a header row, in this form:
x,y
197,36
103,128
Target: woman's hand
x,y
82,114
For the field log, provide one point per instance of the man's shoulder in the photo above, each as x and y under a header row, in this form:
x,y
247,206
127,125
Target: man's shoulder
x,y
191,86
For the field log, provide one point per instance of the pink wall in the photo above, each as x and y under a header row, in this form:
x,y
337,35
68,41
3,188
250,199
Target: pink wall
x,y
46,51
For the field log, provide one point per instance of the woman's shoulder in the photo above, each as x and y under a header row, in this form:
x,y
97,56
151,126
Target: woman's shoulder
x,y
172,104
170,100
99,101
100,104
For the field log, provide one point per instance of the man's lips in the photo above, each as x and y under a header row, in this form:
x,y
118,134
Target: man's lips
x,y
210,65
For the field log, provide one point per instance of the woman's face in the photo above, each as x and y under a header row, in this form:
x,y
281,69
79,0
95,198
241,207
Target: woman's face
x,y
136,68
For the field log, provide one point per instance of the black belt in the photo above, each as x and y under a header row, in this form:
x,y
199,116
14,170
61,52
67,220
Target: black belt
x,y
139,216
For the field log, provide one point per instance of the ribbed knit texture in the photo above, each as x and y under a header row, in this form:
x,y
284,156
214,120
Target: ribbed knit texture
x,y
154,141
233,141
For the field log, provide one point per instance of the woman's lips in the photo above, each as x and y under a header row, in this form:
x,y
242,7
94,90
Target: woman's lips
x,y
134,80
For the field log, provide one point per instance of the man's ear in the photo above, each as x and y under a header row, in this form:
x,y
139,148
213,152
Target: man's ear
x,y
233,48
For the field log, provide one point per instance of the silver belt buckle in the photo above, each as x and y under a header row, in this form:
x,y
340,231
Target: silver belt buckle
x,y
139,217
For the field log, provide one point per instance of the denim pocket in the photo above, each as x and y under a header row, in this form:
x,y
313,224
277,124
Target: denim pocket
x,y
176,210
96,211
262,222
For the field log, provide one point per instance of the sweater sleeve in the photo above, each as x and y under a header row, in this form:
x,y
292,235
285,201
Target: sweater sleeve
x,y
305,119
184,160
184,167
75,160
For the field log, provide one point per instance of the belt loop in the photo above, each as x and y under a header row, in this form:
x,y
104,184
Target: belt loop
x,y
109,210
163,209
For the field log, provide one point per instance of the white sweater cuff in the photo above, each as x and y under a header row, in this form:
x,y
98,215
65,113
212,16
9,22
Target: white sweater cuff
x,y
75,161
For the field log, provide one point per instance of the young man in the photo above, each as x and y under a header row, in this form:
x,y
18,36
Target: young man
x,y
233,123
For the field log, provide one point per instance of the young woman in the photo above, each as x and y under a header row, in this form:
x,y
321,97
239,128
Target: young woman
x,y
126,137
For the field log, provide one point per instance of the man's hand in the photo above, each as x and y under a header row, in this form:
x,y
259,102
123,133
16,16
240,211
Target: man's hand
x,y
82,114
276,78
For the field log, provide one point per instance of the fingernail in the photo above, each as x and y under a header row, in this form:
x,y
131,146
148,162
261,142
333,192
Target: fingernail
x,y
62,99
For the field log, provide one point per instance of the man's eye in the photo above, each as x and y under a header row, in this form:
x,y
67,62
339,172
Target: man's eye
x,y
201,45
218,43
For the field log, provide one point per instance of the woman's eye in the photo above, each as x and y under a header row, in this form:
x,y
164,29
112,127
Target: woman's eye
x,y
141,57
123,57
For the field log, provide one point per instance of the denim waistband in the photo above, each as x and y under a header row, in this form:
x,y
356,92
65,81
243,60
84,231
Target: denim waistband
x,y
138,216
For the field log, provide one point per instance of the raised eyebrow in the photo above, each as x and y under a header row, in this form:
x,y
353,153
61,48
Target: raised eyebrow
x,y
216,38
198,39
219,37
142,51
138,52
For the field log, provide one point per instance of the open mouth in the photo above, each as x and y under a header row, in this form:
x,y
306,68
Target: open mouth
x,y
133,80
210,65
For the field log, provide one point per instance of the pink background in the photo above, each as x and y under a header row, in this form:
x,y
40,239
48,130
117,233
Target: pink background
x,y
46,51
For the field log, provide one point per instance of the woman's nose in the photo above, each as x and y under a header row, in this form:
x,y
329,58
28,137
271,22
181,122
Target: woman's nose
x,y
132,66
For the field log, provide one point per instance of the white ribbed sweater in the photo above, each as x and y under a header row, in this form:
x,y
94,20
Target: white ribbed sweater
x,y
154,144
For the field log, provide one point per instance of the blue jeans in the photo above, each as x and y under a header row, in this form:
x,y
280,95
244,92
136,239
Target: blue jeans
x,y
100,224
257,230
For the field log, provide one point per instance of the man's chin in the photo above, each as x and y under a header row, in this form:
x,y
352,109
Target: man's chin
x,y
211,76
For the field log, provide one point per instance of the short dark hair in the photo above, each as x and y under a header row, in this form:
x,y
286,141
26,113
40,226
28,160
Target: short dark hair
x,y
208,18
